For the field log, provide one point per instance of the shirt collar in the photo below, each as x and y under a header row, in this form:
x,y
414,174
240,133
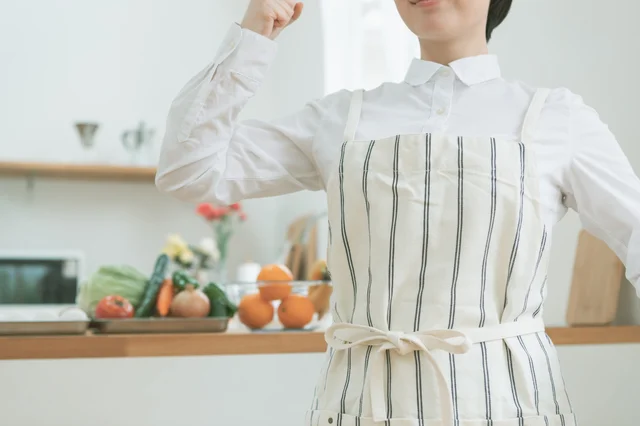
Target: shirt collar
x,y
471,70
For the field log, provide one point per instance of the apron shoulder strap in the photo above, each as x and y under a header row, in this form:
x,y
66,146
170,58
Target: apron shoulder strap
x,y
533,114
355,109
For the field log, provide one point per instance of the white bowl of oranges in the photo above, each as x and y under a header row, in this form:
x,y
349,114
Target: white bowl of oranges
x,y
277,302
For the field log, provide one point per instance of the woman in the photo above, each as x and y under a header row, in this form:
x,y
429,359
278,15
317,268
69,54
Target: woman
x,y
442,194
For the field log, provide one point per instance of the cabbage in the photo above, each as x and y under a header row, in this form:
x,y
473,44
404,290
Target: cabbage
x,y
120,280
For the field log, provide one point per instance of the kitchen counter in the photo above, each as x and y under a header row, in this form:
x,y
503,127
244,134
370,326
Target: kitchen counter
x,y
163,345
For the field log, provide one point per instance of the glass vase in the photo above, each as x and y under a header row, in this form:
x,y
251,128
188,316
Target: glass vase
x,y
219,273
222,233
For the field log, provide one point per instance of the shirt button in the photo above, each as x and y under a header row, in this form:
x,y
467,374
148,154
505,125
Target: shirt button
x,y
445,72
441,111
330,420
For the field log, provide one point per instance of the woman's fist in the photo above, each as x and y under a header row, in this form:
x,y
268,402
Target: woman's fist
x,y
270,17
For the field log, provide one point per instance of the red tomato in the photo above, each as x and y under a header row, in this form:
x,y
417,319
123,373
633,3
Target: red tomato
x,y
114,307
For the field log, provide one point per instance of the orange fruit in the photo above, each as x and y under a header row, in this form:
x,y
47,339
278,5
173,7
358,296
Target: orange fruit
x,y
275,291
276,284
275,273
295,311
254,311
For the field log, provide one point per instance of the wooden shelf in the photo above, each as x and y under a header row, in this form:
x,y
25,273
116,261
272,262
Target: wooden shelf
x,y
122,346
78,171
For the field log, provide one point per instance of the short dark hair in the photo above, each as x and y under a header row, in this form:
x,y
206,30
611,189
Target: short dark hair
x,y
498,11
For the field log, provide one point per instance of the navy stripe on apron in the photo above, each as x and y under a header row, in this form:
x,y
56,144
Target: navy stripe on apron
x,y
421,280
456,259
364,378
425,233
543,244
516,241
512,261
314,404
343,408
483,345
456,270
335,309
365,187
389,405
394,222
552,378
392,253
539,308
492,219
487,384
514,391
561,378
536,392
419,400
326,374
343,227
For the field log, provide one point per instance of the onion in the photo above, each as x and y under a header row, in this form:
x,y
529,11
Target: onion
x,y
190,303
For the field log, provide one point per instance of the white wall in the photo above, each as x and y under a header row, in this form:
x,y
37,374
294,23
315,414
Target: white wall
x,y
592,50
263,390
118,63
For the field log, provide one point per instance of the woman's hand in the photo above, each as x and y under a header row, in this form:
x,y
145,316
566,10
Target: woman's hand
x,y
270,17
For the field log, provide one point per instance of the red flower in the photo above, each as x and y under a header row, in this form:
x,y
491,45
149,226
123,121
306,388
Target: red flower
x,y
211,213
217,213
205,210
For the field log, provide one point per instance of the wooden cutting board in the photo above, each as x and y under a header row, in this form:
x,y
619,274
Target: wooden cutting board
x,y
296,256
595,286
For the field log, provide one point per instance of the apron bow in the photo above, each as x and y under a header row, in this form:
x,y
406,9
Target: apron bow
x,y
344,336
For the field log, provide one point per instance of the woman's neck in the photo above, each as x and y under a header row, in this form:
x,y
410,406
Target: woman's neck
x,y
445,52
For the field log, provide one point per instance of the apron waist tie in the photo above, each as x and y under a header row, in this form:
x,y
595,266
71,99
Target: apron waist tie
x,y
343,336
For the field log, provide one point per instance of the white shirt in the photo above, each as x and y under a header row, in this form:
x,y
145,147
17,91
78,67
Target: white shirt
x,y
207,155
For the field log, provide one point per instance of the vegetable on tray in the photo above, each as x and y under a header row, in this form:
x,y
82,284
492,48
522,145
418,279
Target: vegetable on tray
x,y
190,303
181,279
145,308
120,280
221,306
114,307
165,297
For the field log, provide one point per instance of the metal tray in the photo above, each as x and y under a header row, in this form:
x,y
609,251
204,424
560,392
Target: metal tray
x,y
160,325
40,328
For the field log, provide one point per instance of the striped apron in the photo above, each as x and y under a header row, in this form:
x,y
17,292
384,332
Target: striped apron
x,y
438,252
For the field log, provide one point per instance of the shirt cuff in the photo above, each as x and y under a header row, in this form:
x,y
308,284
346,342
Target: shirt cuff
x,y
246,52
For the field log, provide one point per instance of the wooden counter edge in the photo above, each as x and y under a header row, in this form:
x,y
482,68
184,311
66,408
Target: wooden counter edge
x,y
594,335
166,345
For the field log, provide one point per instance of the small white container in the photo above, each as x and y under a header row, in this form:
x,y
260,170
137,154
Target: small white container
x,y
248,272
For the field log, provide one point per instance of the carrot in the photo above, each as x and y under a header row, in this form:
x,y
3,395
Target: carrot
x,y
165,297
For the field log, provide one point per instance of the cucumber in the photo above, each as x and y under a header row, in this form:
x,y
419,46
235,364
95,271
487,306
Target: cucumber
x,y
218,309
148,303
221,306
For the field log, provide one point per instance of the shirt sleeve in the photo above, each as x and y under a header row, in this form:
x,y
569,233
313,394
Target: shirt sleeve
x,y
603,188
207,155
